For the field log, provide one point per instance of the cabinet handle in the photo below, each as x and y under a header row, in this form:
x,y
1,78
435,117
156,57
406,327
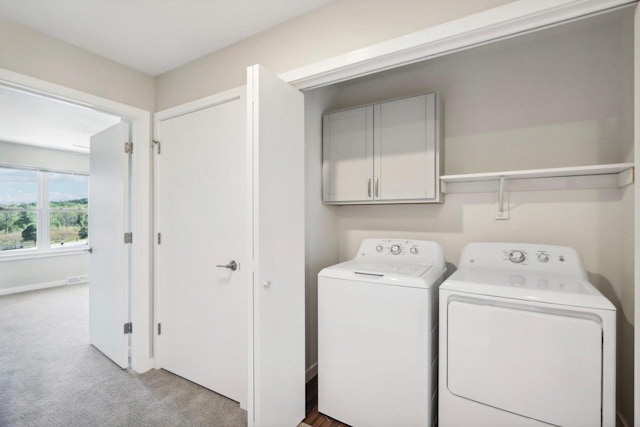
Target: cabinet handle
x,y
377,191
369,188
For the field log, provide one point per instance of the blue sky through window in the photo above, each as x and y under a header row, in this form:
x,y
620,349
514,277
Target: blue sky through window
x,y
18,187
64,187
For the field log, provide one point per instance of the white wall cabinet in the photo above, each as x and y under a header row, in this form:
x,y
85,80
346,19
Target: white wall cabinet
x,y
383,153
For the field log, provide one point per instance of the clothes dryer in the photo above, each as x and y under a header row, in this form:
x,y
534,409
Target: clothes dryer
x,y
525,340
377,334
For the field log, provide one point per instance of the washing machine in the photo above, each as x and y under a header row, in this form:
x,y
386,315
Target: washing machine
x,y
377,334
525,340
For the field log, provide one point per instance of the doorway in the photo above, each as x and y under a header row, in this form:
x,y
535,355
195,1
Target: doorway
x,y
138,275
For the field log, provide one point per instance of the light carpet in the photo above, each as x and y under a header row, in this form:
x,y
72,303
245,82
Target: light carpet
x,y
51,376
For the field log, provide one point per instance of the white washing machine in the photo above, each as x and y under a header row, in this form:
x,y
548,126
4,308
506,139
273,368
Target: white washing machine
x,y
525,340
377,334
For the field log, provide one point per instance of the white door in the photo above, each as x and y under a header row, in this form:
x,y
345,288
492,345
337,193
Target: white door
x,y
108,221
201,202
275,132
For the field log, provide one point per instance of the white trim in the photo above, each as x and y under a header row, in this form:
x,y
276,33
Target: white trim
x,y
34,287
311,372
33,253
140,209
198,104
484,27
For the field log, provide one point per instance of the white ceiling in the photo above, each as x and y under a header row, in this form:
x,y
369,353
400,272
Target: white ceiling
x,y
153,36
31,119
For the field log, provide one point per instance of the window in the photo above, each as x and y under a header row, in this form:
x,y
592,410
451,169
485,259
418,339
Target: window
x,y
68,209
42,211
18,209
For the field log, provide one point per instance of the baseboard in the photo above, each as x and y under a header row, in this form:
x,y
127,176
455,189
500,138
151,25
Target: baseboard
x,y
34,287
312,372
621,420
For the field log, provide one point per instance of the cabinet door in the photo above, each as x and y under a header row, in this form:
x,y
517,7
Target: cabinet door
x,y
348,155
405,149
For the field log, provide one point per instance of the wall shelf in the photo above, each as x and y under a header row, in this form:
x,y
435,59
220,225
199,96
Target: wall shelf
x,y
577,177
571,178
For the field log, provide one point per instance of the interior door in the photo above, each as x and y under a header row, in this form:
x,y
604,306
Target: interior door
x,y
275,127
109,262
201,203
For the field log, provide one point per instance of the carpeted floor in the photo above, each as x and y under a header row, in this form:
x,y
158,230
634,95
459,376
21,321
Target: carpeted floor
x,y
51,376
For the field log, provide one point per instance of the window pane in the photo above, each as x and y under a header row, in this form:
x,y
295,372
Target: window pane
x,y
69,228
68,191
18,189
18,229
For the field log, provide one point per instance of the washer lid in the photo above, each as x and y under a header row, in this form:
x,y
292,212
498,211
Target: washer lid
x,y
399,274
539,287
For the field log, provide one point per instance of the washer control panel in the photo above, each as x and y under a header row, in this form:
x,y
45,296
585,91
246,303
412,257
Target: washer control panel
x,y
400,250
524,256
520,256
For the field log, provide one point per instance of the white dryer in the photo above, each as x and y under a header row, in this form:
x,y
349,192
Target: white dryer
x,y
377,334
525,340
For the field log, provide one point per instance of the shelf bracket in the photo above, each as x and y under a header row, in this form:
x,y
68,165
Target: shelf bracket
x,y
626,177
503,204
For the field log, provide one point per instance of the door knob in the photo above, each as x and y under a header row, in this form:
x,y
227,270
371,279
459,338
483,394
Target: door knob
x,y
233,266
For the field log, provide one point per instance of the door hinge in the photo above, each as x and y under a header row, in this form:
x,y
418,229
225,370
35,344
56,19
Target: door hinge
x,y
157,143
159,238
128,237
128,147
159,328
128,328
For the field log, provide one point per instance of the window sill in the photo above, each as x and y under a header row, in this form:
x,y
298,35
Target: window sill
x,y
27,254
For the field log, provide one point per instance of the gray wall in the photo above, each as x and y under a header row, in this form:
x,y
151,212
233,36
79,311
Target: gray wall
x,y
27,272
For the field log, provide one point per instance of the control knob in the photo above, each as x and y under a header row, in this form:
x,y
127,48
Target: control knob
x,y
413,250
516,256
542,257
395,249
379,248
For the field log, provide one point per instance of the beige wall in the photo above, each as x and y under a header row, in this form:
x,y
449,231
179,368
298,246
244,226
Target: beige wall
x,y
29,52
555,98
334,29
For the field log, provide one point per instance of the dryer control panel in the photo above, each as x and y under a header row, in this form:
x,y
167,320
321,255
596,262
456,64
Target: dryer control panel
x,y
400,250
523,256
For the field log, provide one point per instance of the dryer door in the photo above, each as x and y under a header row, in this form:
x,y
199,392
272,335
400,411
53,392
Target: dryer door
x,y
541,365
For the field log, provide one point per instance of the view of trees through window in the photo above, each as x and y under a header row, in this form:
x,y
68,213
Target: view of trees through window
x,y
32,217
68,209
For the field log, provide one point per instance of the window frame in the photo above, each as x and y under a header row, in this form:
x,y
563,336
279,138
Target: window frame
x,y
43,220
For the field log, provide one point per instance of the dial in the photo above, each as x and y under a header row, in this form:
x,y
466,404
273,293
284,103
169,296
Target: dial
x,y
516,256
413,250
379,248
543,257
395,249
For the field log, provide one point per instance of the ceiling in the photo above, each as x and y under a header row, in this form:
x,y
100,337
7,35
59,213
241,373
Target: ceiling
x,y
37,120
153,36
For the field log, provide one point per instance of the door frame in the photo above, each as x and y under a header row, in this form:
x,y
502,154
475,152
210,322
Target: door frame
x,y
236,94
140,266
